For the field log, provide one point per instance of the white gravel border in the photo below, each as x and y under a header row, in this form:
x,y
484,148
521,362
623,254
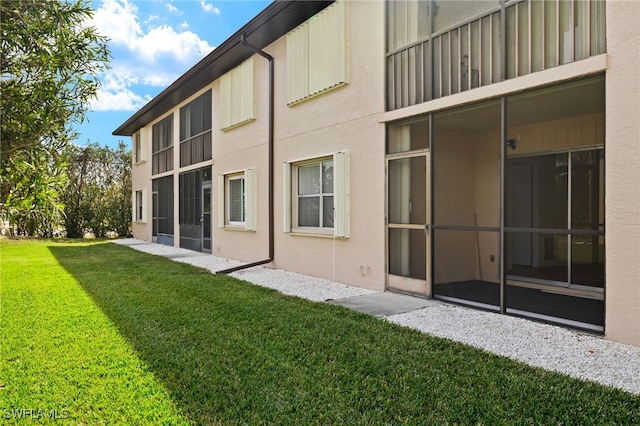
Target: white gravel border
x,y
311,288
550,347
546,346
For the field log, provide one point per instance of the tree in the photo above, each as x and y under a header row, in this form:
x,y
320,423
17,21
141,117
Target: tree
x,y
33,202
120,211
97,197
78,166
49,62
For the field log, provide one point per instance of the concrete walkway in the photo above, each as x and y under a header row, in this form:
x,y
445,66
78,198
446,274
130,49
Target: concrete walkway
x,y
550,347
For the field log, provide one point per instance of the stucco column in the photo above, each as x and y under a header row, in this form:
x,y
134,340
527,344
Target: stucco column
x,y
623,172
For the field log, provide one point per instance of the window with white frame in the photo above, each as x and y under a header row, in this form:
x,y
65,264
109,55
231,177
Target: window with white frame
x,y
317,54
316,195
236,200
139,213
238,95
237,195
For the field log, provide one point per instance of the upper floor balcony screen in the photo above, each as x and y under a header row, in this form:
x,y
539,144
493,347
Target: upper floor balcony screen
x,y
439,48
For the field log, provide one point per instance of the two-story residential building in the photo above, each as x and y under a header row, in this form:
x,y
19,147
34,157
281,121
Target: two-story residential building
x,y
485,153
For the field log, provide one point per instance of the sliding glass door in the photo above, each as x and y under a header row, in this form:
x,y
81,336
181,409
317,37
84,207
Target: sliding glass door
x,y
555,237
554,205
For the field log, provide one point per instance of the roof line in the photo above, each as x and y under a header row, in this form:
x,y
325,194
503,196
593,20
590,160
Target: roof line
x,y
178,88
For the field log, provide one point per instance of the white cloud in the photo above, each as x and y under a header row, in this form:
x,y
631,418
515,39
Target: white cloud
x,y
209,8
171,7
164,40
122,100
118,21
115,93
151,18
153,57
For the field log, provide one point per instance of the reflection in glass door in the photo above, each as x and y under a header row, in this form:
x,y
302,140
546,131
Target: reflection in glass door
x,y
408,223
537,195
560,274
554,221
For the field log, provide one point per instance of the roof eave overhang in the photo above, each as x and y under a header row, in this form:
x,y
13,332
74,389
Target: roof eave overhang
x,y
273,22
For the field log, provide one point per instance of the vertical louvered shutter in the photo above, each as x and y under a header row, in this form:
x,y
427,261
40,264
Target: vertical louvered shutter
x,y
251,199
286,197
221,201
238,95
317,54
341,193
327,48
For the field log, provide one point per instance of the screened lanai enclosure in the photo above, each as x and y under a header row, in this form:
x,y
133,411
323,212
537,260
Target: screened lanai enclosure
x,y
500,205
195,209
439,48
162,210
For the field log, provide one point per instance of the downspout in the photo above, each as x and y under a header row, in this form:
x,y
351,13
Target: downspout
x,y
269,58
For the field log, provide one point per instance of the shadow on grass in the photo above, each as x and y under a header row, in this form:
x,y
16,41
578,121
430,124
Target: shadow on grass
x,y
230,352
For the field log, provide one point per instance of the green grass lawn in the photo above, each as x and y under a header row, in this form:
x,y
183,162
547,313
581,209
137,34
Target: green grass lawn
x,y
96,333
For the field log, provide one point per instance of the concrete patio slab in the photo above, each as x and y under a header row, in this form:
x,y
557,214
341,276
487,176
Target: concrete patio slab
x,y
384,304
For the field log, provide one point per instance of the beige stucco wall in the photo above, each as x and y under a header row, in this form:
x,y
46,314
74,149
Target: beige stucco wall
x,y
346,118
623,172
235,150
358,260
141,180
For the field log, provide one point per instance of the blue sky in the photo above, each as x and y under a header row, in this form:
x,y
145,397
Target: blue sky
x,y
152,43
